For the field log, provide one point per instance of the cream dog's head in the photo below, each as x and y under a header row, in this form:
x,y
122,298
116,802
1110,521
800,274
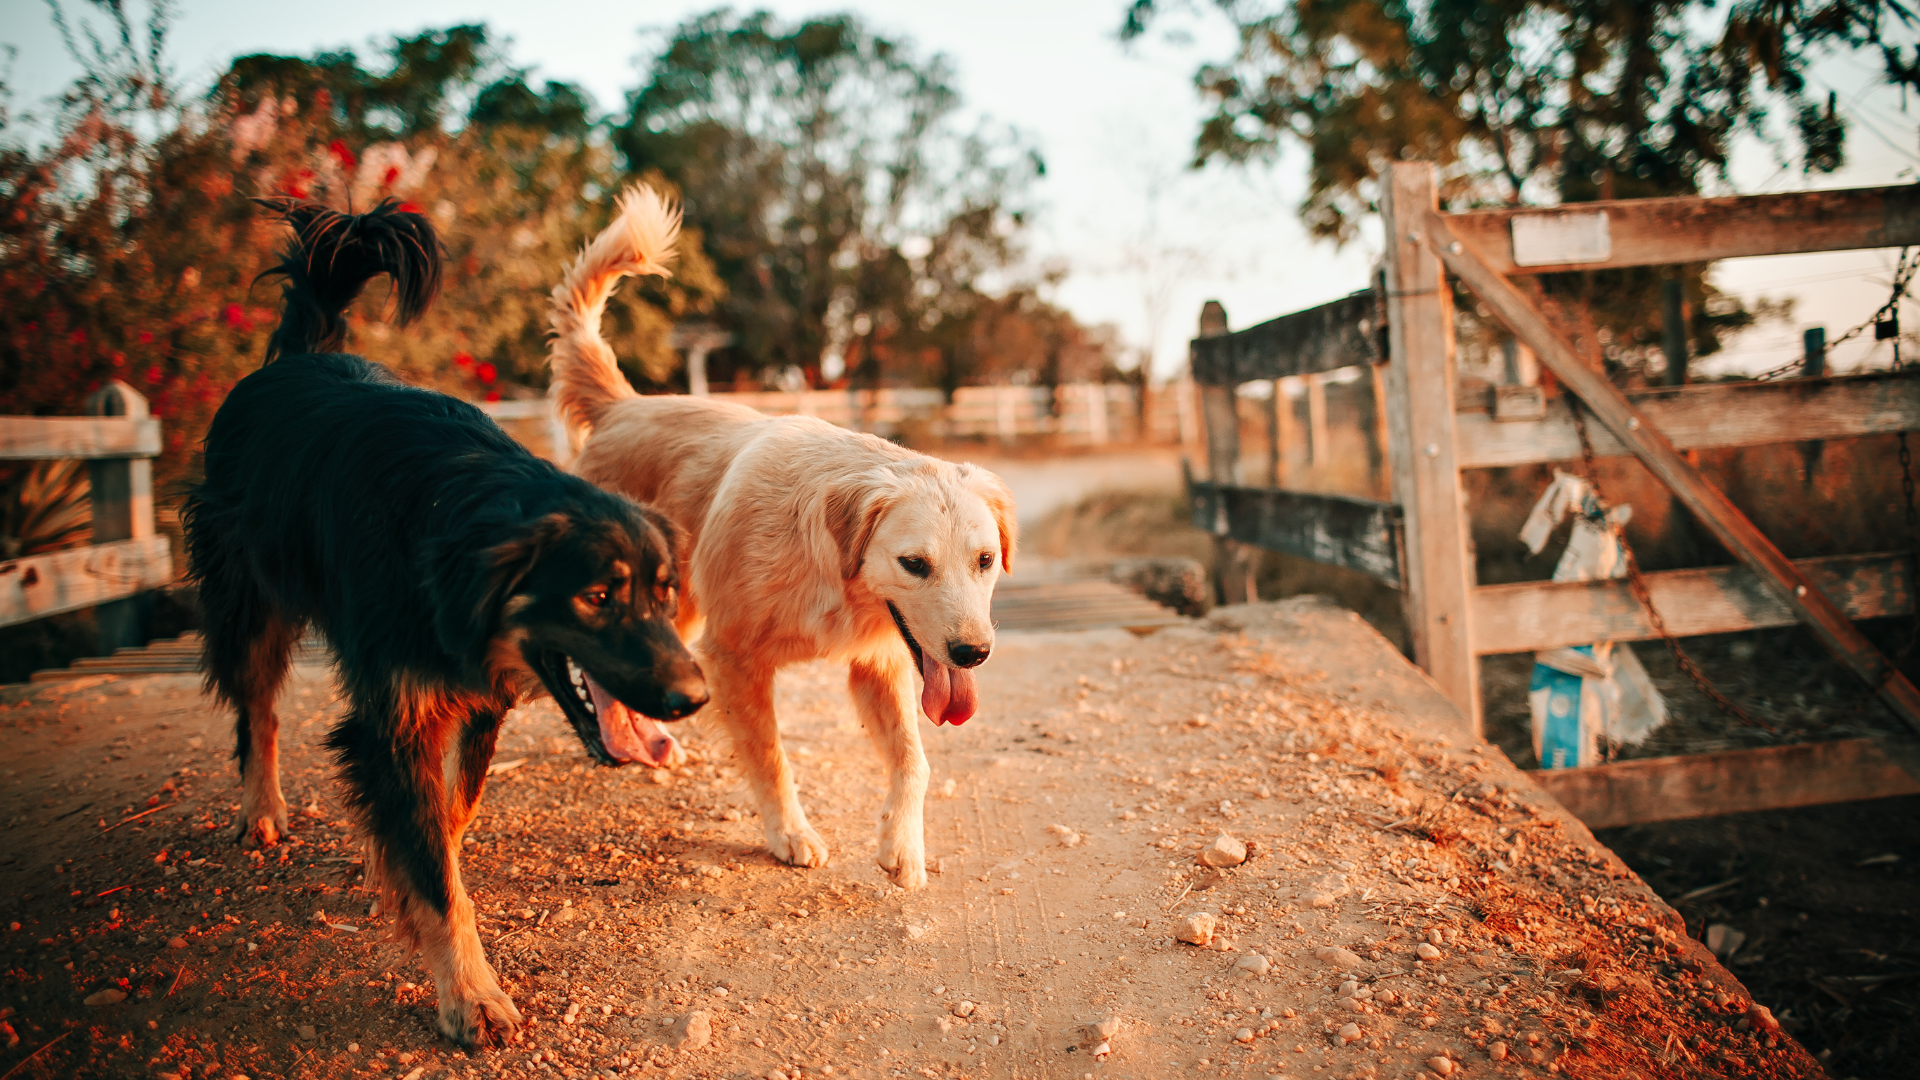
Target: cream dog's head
x,y
929,539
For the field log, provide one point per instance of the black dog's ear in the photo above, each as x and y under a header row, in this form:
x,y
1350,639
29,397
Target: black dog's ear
x,y
471,592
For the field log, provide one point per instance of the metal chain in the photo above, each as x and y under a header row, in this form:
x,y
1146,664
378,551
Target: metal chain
x,y
1637,584
1903,274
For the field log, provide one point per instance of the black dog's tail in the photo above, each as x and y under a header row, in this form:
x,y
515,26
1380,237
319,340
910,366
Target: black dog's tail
x,y
333,255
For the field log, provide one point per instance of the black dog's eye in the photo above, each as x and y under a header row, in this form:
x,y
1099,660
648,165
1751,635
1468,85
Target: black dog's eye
x,y
595,597
915,565
986,560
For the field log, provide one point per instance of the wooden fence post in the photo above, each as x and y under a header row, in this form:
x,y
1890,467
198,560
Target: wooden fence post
x,y
1420,419
1233,562
122,504
1318,452
1276,450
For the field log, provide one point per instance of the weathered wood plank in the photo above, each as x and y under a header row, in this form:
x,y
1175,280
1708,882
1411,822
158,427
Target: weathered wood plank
x,y
77,578
1359,534
1348,332
1707,503
1544,615
1707,416
42,438
1659,232
1420,419
1735,782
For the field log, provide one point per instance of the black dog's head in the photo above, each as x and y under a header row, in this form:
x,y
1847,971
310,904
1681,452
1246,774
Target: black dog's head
x,y
583,599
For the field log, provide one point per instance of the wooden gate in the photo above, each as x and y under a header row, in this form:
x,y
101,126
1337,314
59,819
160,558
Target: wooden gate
x,y
1453,620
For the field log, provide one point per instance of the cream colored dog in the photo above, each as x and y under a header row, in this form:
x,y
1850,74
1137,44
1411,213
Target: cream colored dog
x,y
804,541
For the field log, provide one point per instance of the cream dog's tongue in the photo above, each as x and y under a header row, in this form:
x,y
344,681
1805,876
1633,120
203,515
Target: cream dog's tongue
x,y
628,735
949,696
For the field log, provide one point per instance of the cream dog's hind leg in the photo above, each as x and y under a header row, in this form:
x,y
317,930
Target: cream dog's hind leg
x,y
882,691
742,702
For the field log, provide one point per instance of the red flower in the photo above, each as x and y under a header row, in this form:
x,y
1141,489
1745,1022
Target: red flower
x,y
154,374
393,174
119,360
408,208
487,373
493,395
338,148
146,337
464,359
78,337
237,318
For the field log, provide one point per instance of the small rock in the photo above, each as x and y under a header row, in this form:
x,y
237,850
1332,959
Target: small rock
x,y
1100,1051
1253,964
947,788
1760,1018
1244,1035
106,997
944,1023
1224,851
963,1008
1348,988
1426,952
1337,957
1497,1051
306,1033
691,1032
1067,837
1349,1033
1197,929
1441,1064
176,943
1325,890
1102,1030
1434,937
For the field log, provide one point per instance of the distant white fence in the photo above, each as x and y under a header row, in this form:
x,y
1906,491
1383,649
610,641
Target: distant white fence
x,y
1087,414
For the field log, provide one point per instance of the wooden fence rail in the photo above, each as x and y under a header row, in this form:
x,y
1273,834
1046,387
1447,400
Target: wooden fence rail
x,y
127,557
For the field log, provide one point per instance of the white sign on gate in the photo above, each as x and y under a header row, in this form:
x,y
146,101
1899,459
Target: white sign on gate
x,y
1550,239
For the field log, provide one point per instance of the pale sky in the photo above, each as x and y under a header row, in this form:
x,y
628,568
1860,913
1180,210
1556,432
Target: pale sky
x,y
1114,125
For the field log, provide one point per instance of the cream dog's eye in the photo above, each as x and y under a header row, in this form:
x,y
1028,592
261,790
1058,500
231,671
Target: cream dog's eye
x,y
915,565
986,560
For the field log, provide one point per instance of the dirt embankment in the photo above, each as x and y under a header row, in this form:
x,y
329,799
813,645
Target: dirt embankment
x,y
1408,906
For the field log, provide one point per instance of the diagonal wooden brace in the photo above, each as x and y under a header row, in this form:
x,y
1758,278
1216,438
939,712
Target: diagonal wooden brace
x,y
1708,505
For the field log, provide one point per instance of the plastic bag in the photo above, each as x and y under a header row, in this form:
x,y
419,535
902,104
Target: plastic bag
x,y
1579,693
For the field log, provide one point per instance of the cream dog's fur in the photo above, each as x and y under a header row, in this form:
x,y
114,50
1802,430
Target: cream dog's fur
x,y
804,541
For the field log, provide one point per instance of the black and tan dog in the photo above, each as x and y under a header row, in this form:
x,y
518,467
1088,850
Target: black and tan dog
x,y
451,571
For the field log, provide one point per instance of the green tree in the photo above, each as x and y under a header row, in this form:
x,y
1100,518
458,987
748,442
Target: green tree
x,y
1538,102
845,206
130,245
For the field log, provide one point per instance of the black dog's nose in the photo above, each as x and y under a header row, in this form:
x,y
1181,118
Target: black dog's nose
x,y
966,655
685,701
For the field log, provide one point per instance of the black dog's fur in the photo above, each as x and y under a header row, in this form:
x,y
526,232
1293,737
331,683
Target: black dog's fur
x,y
450,570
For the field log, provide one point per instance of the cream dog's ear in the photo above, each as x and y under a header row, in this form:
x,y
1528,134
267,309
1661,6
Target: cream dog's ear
x,y
854,510
994,492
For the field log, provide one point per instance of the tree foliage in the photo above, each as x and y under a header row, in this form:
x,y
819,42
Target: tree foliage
x,y
1538,101
129,247
848,210
1524,100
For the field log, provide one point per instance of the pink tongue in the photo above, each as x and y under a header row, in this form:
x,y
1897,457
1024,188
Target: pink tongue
x,y
949,696
628,735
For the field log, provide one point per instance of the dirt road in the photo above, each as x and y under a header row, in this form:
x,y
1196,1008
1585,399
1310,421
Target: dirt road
x,y
1409,905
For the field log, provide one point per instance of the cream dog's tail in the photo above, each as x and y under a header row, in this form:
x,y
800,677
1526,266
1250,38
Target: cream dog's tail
x,y
586,377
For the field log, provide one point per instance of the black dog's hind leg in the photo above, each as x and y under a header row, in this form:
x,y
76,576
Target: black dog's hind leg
x,y
247,649
415,765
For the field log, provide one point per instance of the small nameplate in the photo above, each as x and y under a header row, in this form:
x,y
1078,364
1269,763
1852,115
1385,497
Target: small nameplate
x,y
1552,239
